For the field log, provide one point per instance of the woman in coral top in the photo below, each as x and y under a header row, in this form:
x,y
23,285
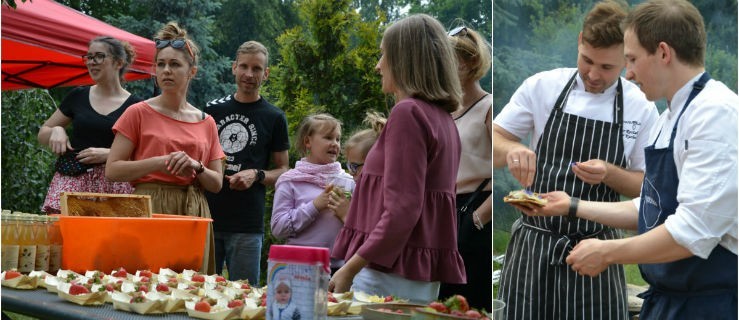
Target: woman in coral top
x,y
166,147
400,235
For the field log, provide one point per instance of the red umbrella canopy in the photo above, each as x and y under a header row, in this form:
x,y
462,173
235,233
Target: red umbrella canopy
x,y
43,42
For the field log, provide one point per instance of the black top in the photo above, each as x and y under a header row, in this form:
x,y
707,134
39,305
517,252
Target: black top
x,y
91,129
249,134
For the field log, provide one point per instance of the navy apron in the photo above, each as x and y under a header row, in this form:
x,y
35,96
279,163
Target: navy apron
x,y
536,283
691,288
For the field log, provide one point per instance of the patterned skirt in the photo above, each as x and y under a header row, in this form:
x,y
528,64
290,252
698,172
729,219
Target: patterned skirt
x,y
92,181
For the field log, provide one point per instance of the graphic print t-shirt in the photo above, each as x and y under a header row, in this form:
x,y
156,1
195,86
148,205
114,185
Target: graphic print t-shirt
x,y
249,133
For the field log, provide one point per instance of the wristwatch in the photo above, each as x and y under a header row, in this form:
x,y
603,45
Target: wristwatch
x,y
260,175
200,169
572,213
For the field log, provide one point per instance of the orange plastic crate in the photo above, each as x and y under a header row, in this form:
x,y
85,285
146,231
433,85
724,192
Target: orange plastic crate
x,y
108,243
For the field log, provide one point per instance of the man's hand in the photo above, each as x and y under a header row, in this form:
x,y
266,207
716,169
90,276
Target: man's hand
x,y
558,204
242,180
592,171
522,165
589,257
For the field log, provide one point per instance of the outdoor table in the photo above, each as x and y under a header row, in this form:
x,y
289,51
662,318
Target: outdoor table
x,y
42,304
45,305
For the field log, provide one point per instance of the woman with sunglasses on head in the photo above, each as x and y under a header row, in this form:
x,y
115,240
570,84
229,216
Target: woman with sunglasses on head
x,y
165,146
91,111
400,235
474,204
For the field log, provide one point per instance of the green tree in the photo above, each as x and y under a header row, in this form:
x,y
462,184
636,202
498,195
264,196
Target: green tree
x,y
328,64
243,20
27,168
145,18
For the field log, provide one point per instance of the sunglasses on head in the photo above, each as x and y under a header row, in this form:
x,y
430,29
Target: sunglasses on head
x,y
458,31
353,167
176,43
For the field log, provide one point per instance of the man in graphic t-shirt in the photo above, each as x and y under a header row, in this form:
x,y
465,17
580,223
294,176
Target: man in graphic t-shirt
x,y
251,131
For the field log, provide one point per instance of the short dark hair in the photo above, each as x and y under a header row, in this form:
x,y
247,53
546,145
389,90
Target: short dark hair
x,y
675,22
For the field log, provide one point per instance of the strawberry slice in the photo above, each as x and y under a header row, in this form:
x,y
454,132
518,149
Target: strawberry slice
x,y
145,273
12,274
235,304
202,306
331,298
162,287
121,273
439,307
77,289
198,278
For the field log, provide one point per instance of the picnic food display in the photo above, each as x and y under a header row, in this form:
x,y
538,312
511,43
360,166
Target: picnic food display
x,y
455,307
143,290
525,197
388,311
166,291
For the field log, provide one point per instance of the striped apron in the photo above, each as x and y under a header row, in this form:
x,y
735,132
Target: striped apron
x,y
536,283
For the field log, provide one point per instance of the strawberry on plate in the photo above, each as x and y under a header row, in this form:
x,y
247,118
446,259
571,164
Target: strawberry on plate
x,y
235,303
77,289
457,302
145,273
202,306
11,274
120,273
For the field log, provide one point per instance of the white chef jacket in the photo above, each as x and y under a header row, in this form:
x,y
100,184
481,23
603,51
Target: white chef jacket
x,y
705,154
529,108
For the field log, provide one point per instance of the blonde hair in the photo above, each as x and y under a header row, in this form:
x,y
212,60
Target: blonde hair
x,y
253,47
312,124
471,48
173,31
422,62
363,139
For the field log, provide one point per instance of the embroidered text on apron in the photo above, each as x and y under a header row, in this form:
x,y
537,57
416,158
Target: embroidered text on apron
x,y
691,288
536,283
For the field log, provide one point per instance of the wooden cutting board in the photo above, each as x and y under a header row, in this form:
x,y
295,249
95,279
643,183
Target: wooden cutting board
x,y
105,205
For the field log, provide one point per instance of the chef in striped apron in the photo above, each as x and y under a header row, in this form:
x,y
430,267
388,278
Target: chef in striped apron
x,y
687,212
588,128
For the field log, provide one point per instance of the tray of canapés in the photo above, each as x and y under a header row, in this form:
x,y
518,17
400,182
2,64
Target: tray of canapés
x,y
144,292
200,296
455,307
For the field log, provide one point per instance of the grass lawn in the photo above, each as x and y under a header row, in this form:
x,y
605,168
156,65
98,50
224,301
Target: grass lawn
x,y
16,316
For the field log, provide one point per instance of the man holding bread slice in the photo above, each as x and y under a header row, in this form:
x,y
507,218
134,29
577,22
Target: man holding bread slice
x,y
588,128
686,214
